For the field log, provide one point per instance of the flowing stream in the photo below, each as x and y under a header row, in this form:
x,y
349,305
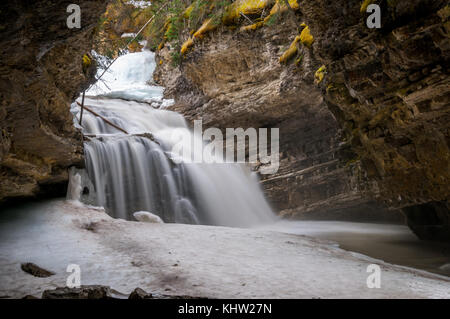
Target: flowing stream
x,y
136,171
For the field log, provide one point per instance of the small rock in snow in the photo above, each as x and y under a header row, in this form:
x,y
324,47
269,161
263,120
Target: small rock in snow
x,y
35,270
147,217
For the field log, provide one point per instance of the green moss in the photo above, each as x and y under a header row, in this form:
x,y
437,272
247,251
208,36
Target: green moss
x,y
207,26
272,19
176,57
188,11
289,53
186,45
305,37
320,74
247,7
86,62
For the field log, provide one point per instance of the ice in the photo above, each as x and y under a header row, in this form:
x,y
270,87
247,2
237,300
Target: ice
x,y
191,260
129,78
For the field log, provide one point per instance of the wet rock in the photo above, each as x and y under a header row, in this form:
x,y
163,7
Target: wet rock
x,y
429,221
103,292
40,74
35,270
139,293
84,292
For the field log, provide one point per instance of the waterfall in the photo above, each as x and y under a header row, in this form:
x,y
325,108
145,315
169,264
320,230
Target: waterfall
x,y
136,172
74,188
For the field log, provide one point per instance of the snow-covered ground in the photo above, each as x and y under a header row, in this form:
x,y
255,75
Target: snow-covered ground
x,y
191,260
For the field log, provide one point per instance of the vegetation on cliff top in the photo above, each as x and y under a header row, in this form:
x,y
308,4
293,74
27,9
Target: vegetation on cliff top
x,y
181,23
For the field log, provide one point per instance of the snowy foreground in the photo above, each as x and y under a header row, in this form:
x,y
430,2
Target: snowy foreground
x,y
205,261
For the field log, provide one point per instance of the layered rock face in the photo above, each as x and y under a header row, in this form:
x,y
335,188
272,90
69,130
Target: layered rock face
x,y
389,88
372,135
235,80
40,74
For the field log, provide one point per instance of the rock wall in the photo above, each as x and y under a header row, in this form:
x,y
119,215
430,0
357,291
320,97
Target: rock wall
x,y
372,135
389,88
236,80
40,74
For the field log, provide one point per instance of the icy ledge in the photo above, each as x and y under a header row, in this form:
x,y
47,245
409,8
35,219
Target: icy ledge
x,y
191,260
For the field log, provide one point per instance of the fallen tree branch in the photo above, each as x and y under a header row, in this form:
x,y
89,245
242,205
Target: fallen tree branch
x,y
103,118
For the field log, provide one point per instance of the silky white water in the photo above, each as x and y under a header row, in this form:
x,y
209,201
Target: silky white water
x,y
136,172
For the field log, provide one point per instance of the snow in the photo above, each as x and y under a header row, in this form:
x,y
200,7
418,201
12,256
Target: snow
x,y
128,35
130,78
147,217
194,260
140,4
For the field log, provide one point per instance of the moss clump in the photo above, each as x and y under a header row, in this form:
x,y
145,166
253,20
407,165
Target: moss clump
x,y
306,37
320,74
208,25
272,17
188,11
291,51
280,7
213,10
87,61
253,26
247,7
186,45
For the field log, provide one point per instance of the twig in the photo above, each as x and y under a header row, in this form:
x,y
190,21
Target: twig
x,y
246,17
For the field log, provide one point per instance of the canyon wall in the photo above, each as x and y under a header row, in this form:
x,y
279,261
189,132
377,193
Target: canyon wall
x,y
236,80
363,113
389,88
368,139
40,75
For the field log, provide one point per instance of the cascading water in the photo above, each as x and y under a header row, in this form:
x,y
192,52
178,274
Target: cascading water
x,y
136,172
